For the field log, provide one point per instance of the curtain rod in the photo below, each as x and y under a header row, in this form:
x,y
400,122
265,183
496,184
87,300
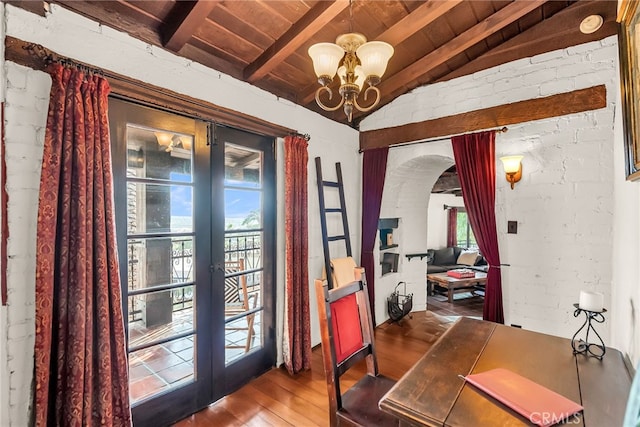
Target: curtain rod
x,y
49,57
444,138
305,136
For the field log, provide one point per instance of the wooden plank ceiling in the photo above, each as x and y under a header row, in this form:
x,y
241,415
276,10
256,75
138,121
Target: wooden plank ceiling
x,y
265,42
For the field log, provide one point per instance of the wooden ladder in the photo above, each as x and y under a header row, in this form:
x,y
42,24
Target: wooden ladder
x,y
322,184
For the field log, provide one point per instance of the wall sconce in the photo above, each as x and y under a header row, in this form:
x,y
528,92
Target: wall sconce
x,y
513,168
165,140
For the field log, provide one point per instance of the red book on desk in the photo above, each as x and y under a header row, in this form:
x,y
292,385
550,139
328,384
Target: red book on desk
x,y
537,403
461,273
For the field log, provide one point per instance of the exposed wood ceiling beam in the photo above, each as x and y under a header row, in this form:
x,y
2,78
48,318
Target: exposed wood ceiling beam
x,y
561,104
245,161
405,28
102,12
184,20
299,33
447,183
36,7
416,20
505,16
558,32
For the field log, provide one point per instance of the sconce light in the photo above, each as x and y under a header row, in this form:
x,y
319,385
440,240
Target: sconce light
x,y
513,168
165,140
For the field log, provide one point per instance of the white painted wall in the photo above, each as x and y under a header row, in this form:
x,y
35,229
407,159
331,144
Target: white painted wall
x,y
4,374
565,202
411,173
438,217
27,99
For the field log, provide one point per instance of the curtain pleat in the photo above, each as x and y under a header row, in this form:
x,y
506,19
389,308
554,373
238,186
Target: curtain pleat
x,y
297,346
452,227
475,161
81,374
374,169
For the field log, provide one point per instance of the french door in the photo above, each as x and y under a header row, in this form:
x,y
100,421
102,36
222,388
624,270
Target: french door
x,y
196,240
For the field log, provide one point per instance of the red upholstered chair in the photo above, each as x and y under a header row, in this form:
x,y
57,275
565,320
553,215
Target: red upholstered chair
x,y
347,338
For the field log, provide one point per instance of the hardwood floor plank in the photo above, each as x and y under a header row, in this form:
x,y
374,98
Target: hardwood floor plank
x,y
279,399
293,414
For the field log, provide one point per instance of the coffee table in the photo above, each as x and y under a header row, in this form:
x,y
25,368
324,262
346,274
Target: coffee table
x,y
453,285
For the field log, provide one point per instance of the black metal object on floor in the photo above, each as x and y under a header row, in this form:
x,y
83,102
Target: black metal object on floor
x,y
399,305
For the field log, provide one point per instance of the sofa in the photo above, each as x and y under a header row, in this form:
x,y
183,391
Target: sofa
x,y
452,257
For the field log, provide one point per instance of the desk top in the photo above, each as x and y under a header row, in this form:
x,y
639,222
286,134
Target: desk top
x,y
432,394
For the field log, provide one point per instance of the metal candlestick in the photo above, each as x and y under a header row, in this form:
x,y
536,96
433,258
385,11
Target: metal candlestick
x,y
583,346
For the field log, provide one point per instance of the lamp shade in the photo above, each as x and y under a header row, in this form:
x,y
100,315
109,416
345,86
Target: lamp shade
x,y
164,138
326,57
511,163
374,57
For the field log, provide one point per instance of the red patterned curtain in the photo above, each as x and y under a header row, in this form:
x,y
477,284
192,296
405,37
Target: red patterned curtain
x,y
374,169
81,375
475,160
452,227
297,346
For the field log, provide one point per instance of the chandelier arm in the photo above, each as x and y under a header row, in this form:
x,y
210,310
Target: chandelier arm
x,y
321,104
366,92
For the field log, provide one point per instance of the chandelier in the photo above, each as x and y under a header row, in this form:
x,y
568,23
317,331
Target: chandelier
x,y
356,62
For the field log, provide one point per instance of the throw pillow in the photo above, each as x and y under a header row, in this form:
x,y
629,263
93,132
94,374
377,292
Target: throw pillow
x,y
444,256
467,258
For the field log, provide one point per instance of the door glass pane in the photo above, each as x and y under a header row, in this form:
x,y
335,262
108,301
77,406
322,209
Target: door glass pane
x,y
161,367
156,316
242,209
161,322
161,208
243,251
243,166
159,154
159,261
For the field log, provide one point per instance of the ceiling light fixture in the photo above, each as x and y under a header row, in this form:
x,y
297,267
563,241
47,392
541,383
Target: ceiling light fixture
x,y
591,24
356,62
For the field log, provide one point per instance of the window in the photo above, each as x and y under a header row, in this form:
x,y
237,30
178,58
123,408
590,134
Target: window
x,y
464,233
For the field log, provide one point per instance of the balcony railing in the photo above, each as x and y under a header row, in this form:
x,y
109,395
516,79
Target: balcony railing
x,y
237,245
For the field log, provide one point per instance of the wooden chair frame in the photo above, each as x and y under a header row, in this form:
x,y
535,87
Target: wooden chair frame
x,y
243,306
353,407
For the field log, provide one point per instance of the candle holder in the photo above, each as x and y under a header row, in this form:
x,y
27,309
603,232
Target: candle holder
x,y
583,346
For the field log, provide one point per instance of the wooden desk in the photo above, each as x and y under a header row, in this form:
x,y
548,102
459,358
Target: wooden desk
x,y
432,394
451,284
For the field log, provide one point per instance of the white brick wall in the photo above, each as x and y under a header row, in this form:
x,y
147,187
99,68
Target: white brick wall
x,y
26,106
27,100
564,203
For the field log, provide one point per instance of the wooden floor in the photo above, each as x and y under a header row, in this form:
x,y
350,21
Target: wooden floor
x,y
464,304
278,399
